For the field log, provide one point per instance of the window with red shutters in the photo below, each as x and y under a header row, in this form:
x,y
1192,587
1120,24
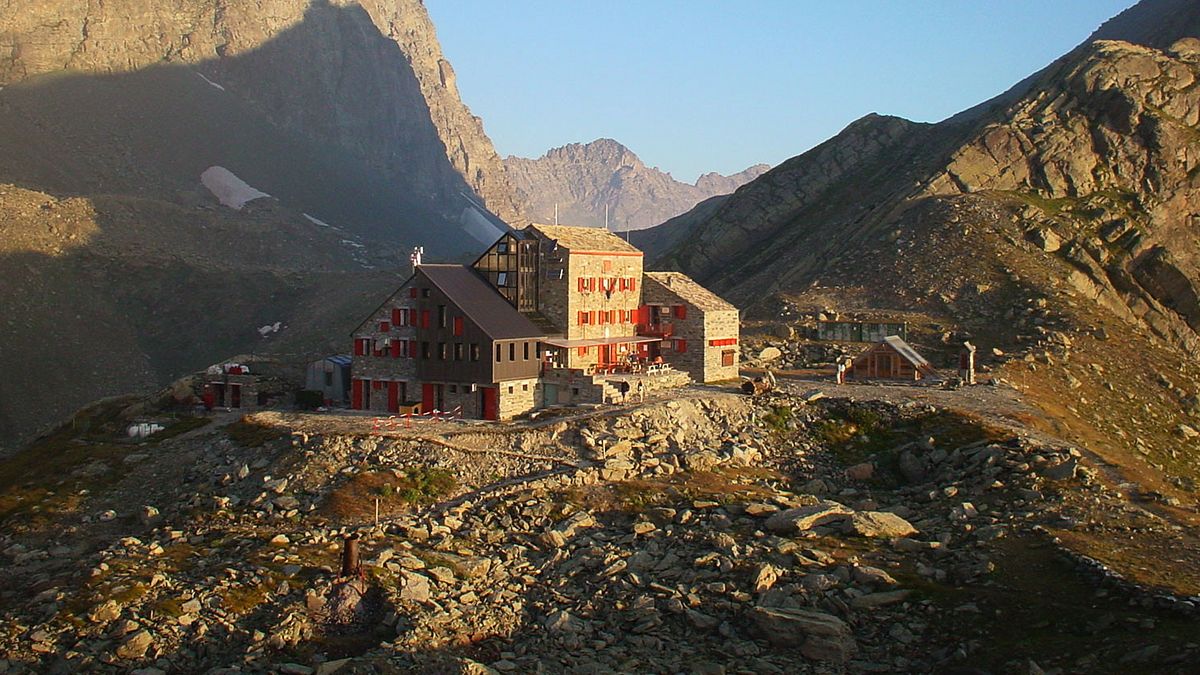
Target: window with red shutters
x,y
458,325
622,283
385,326
583,351
359,348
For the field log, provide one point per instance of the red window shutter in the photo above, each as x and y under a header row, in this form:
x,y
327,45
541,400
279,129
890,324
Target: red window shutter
x,y
603,317
396,348
396,316
458,325
680,311
592,317
582,284
412,292
424,318
681,345
612,316
384,326
592,283
412,349
583,351
621,283
632,284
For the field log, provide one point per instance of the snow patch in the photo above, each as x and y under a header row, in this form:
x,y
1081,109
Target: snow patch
x,y
267,330
210,81
228,188
317,221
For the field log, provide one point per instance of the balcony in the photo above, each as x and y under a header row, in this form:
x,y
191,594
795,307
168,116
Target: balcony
x,y
664,329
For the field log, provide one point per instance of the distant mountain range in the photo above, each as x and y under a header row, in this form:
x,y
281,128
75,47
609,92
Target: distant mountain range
x,y
582,179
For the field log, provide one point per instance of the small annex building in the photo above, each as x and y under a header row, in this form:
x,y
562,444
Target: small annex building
x,y
891,359
331,377
547,315
699,328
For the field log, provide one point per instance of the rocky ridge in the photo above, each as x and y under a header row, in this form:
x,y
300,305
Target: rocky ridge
x,y
582,179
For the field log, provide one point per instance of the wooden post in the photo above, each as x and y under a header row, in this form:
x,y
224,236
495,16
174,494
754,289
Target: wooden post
x,y
350,564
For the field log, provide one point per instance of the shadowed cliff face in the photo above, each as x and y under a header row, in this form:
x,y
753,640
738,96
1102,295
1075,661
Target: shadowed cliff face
x,y
122,272
367,77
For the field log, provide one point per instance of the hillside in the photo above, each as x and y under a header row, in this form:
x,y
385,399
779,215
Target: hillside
x,y
1056,231
583,179
124,269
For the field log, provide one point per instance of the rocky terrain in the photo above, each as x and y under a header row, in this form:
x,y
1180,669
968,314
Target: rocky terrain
x,y
122,270
583,179
711,533
1054,227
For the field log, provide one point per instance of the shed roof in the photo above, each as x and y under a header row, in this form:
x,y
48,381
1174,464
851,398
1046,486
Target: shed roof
x,y
905,350
685,287
480,302
584,238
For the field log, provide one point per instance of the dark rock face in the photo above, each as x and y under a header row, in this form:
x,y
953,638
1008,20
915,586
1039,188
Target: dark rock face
x,y
122,271
584,179
367,77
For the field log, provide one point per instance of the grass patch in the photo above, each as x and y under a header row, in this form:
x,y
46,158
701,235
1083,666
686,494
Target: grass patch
x,y
855,434
180,427
249,433
779,418
397,492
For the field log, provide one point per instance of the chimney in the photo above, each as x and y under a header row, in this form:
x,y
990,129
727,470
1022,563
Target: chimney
x,y
417,253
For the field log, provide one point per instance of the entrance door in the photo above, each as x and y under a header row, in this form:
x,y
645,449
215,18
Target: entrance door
x,y
356,394
218,395
491,410
427,400
393,397
606,354
549,394
235,395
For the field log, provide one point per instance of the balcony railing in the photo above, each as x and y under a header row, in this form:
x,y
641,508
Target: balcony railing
x,y
660,330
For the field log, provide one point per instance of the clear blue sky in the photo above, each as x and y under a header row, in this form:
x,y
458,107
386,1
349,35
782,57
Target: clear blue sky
x,y
696,86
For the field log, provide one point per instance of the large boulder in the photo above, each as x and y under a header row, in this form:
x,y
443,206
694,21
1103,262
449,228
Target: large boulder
x,y
820,636
880,524
807,517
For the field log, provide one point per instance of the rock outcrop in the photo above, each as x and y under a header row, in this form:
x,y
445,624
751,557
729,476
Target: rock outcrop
x,y
582,179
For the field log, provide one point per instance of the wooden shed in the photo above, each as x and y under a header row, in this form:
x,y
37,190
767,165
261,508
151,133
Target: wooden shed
x,y
891,359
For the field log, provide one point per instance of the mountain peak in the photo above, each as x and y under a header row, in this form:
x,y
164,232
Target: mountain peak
x,y
585,182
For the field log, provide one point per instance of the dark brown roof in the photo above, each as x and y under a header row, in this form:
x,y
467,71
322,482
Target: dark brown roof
x,y
480,302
